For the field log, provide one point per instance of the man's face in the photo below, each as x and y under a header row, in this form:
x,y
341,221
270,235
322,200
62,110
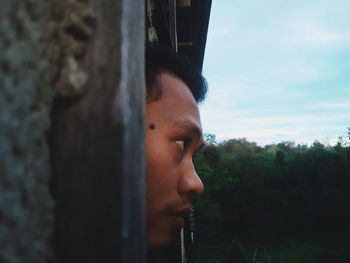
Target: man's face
x,y
173,136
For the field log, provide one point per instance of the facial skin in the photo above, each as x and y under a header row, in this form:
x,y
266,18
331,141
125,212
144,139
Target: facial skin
x,y
173,136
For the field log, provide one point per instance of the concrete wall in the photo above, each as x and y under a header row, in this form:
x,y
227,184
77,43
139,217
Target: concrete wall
x,y
26,71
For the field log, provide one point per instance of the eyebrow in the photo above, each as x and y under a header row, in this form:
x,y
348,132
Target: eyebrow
x,y
189,127
192,128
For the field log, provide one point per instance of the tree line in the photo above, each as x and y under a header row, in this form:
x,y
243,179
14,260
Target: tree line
x,y
271,203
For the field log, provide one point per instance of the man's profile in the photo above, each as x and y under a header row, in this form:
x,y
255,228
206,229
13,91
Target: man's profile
x,y
173,136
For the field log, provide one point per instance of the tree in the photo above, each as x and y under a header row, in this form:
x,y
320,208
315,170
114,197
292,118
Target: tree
x,y
210,138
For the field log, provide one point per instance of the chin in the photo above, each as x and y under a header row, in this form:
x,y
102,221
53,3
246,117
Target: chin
x,y
158,240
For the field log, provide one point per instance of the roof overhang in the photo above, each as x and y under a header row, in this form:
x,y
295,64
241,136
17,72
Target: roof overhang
x,y
180,24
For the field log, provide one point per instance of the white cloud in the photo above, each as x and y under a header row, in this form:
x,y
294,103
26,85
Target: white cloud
x,y
310,33
298,134
218,31
302,128
294,70
335,105
275,70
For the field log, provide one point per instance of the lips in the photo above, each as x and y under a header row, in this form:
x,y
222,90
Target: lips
x,y
182,211
178,215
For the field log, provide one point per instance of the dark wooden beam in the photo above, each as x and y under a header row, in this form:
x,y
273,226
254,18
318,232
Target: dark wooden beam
x,y
183,3
192,26
97,144
172,23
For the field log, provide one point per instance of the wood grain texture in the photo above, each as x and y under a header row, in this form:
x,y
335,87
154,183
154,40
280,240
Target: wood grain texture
x,y
97,143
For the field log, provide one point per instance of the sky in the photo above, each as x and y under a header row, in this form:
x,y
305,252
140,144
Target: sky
x,y
278,70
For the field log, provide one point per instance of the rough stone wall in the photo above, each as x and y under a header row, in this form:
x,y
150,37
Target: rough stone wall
x,y
28,66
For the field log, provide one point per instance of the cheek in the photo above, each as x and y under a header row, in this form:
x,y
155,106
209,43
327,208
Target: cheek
x,y
162,177
161,153
160,172
162,169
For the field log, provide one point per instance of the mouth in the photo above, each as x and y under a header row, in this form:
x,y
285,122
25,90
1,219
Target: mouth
x,y
177,216
177,221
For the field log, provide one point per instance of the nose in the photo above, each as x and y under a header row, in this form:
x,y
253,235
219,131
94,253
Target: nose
x,y
189,183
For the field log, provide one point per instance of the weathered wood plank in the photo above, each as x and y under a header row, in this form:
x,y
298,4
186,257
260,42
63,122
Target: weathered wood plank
x,y
97,144
172,23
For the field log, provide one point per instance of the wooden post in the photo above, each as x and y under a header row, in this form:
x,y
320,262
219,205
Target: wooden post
x,y
97,143
172,23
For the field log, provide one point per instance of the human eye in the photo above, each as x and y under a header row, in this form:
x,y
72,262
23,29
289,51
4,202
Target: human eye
x,y
181,144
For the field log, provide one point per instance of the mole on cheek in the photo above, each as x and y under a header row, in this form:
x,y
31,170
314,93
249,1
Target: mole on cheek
x,y
152,126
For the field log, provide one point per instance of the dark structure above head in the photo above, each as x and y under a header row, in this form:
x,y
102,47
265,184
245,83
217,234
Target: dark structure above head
x,y
180,24
159,60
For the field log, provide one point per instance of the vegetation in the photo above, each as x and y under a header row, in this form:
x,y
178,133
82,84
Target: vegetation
x,y
279,203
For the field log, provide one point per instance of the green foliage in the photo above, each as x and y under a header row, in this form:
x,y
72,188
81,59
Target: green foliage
x,y
262,197
293,252
210,138
299,253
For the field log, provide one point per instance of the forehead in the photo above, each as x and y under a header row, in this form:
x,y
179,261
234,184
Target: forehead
x,y
176,104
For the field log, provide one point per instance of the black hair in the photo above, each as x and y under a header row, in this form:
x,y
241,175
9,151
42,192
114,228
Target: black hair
x,y
159,59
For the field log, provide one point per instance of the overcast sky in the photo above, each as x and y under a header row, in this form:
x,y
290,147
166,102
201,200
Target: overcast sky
x,y
278,70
